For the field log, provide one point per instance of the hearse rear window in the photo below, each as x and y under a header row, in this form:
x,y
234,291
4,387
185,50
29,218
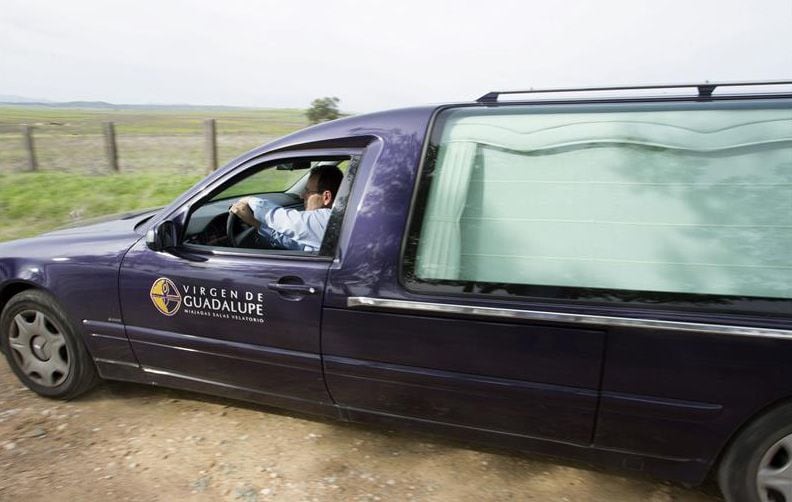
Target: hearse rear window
x,y
692,200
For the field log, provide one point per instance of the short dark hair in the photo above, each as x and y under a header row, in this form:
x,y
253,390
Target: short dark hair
x,y
328,177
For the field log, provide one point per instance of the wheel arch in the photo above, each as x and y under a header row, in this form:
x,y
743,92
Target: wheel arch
x,y
82,374
756,415
13,288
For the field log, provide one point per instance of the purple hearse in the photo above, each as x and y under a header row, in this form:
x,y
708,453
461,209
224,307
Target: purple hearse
x,y
598,274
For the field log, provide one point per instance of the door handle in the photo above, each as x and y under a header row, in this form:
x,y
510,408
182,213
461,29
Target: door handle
x,y
299,289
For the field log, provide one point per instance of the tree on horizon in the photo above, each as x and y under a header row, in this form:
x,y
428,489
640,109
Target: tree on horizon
x,y
323,109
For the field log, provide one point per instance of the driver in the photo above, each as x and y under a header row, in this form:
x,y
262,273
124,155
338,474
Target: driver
x,y
283,228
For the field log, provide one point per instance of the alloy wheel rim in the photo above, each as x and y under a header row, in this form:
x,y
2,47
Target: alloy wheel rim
x,y
774,478
39,348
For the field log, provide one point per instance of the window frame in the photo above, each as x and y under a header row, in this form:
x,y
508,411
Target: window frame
x,y
640,300
329,244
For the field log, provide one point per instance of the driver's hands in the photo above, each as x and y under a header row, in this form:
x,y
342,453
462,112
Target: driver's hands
x,y
241,208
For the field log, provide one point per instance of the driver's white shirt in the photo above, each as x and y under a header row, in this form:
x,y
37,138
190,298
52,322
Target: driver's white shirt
x,y
290,228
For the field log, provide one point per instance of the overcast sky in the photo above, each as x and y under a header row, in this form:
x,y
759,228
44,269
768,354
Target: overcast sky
x,y
376,55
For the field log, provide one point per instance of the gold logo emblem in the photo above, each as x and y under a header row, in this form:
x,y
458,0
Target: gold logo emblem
x,y
166,296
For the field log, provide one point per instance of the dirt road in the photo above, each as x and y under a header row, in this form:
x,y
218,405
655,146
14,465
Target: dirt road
x,y
131,442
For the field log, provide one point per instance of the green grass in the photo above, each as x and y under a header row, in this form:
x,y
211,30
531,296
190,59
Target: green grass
x,y
31,203
70,139
161,153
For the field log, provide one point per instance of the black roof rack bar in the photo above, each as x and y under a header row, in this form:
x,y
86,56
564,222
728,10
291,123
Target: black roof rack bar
x,y
704,90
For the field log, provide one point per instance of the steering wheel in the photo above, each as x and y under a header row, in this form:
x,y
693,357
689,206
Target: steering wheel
x,y
236,231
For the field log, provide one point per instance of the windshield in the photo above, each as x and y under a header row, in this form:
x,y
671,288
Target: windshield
x,y
264,181
288,177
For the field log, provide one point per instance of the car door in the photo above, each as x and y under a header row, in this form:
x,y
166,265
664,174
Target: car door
x,y
242,321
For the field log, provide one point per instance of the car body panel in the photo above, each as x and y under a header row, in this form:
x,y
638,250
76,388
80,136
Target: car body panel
x,y
248,336
79,266
685,394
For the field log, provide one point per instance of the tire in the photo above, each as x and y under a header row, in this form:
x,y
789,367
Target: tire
x,y
758,464
43,348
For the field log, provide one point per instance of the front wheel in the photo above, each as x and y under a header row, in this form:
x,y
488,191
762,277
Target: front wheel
x,y
758,464
42,347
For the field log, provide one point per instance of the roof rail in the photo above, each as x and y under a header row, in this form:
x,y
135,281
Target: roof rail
x,y
704,90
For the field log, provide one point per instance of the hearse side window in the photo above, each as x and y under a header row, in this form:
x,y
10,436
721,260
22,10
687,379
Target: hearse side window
x,y
691,200
280,183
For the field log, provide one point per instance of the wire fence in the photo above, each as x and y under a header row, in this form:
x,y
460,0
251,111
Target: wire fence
x,y
110,152
165,143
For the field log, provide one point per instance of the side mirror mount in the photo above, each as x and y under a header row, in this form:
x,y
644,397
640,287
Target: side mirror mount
x,y
162,236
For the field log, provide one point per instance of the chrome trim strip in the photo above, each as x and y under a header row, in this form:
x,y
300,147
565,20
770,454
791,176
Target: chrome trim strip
x,y
111,337
155,371
537,315
231,356
119,363
182,376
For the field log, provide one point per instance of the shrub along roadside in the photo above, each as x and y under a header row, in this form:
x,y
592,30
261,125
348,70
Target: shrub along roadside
x,y
31,203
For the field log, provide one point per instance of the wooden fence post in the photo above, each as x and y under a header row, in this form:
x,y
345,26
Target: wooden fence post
x,y
210,135
27,132
110,145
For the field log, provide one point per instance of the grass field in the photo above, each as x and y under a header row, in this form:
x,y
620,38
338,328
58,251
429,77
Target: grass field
x,y
161,154
31,203
70,139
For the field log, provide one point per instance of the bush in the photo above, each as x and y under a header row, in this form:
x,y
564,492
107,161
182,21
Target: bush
x,y
323,109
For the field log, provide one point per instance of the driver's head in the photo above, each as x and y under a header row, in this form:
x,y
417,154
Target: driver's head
x,y
322,187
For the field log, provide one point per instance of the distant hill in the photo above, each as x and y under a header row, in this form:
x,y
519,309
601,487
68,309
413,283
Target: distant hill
x,y
101,105
9,98
6,99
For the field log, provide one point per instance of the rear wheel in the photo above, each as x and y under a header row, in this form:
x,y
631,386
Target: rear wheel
x,y
42,347
758,464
